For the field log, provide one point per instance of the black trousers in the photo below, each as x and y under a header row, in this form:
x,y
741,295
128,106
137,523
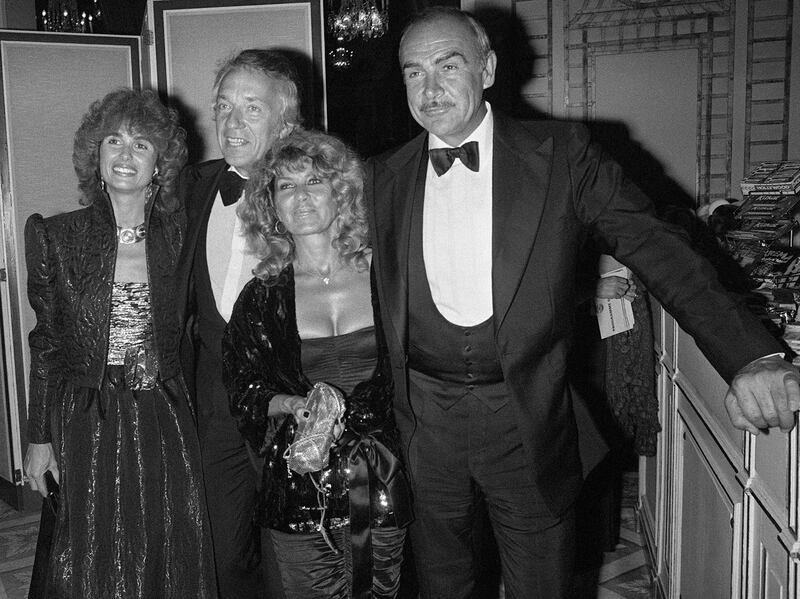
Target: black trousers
x,y
230,480
467,460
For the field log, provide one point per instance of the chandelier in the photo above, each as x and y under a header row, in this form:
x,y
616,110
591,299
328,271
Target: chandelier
x,y
359,18
354,19
66,16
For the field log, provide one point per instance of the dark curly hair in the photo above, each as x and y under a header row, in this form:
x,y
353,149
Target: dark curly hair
x,y
142,113
330,159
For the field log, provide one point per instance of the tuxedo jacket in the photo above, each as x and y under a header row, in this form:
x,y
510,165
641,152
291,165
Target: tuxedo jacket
x,y
198,188
550,187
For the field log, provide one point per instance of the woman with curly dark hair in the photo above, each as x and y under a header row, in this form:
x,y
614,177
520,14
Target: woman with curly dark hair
x,y
109,416
308,322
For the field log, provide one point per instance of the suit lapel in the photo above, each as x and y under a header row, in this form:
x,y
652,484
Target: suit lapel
x,y
200,194
520,180
396,191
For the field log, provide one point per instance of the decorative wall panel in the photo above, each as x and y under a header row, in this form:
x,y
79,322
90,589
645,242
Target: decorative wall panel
x,y
192,36
769,57
48,81
601,27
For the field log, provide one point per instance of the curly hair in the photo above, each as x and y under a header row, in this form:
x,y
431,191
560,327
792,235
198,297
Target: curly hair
x,y
142,113
331,159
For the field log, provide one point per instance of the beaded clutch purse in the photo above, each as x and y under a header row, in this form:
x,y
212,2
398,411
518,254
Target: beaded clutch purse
x,y
314,437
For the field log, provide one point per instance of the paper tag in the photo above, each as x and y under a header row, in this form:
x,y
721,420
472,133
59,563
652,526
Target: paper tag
x,y
614,316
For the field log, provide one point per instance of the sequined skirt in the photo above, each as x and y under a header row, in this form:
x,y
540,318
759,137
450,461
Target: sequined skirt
x,y
132,521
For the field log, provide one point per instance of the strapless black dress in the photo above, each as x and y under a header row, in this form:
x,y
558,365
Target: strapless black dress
x,y
292,500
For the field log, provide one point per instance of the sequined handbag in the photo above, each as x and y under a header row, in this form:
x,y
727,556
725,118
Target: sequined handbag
x,y
314,437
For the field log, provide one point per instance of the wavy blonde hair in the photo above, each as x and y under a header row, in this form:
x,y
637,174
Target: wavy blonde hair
x,y
330,158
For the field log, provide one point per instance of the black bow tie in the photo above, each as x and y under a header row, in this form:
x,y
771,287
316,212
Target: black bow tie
x,y
442,158
230,187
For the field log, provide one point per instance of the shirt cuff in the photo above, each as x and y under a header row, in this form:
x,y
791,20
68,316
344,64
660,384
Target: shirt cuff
x,y
779,354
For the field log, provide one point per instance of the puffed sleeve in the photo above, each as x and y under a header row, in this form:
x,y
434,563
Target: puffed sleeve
x,y
249,368
43,339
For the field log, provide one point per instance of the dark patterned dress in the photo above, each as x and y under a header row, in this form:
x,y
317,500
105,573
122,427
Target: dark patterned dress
x,y
131,522
106,391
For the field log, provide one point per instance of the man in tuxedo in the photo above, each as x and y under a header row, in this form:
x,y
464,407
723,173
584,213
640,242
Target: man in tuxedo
x,y
256,102
477,224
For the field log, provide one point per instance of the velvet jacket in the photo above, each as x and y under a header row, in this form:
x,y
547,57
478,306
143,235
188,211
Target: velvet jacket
x,y
261,358
71,259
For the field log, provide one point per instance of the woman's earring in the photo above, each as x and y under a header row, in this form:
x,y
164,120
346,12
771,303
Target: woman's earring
x,y
155,174
102,184
148,192
279,227
286,130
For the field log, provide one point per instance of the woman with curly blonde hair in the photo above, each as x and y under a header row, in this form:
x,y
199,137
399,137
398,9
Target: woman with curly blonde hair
x,y
109,418
310,316
329,158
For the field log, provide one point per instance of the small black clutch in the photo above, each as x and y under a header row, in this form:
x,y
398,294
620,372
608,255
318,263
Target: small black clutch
x,y
53,491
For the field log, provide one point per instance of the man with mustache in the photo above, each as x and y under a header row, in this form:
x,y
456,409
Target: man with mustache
x,y
477,224
256,102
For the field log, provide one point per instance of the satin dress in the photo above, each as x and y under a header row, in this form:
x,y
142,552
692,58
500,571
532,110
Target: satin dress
x,y
131,521
309,566
364,503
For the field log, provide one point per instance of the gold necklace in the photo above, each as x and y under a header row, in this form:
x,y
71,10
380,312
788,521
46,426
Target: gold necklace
x,y
325,278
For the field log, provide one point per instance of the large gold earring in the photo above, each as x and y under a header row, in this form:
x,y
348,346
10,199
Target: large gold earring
x,y
279,227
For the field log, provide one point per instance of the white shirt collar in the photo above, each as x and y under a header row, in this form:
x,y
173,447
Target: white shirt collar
x,y
482,134
236,170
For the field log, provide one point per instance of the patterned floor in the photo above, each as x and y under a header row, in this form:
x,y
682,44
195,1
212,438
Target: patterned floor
x,y
17,545
623,574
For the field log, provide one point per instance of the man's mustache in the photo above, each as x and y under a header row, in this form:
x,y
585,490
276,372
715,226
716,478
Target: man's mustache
x,y
435,105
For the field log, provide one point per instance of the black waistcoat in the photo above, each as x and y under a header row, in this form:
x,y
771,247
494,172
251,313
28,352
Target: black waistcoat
x,y
455,360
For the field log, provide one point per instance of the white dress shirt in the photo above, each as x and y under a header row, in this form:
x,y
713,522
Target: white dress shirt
x,y
230,265
457,232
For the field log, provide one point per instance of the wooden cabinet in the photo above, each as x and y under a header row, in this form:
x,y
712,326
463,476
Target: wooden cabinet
x,y
718,507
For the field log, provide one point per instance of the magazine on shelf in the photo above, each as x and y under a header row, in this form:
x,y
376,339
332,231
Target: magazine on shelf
x,y
762,230
773,178
762,206
777,268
